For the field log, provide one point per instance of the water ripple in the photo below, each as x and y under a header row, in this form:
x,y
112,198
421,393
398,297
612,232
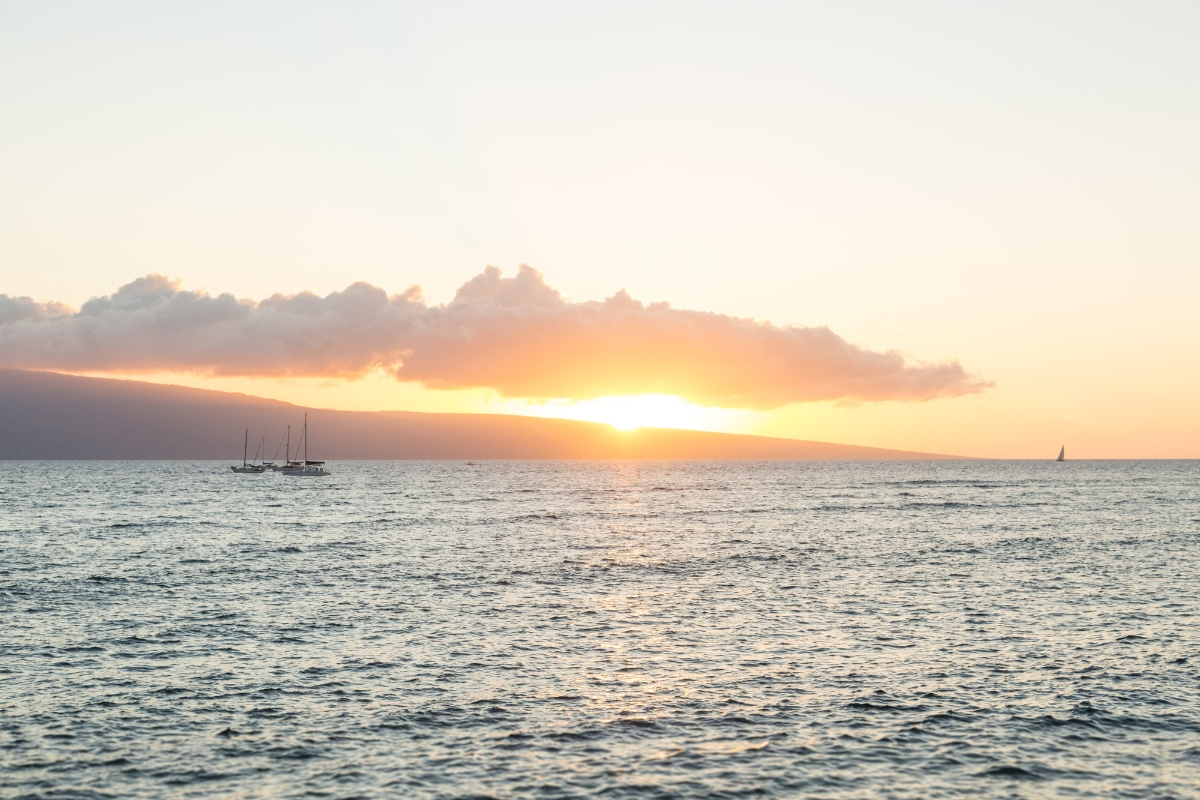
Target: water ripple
x,y
626,629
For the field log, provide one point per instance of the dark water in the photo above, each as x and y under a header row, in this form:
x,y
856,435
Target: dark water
x,y
622,630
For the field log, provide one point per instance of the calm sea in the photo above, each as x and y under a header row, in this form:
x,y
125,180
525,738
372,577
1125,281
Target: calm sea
x,y
637,629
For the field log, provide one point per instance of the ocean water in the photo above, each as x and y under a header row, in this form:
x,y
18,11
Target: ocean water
x,y
637,629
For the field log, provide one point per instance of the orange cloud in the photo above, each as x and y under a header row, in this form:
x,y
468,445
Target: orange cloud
x,y
516,335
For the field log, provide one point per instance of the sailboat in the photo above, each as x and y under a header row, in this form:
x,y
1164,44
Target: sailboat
x,y
313,469
264,463
287,455
1062,454
248,468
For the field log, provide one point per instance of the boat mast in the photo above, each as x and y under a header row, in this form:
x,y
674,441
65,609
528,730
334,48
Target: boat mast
x,y
288,455
306,440
246,447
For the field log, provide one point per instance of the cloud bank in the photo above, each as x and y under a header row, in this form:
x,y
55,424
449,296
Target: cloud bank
x,y
517,335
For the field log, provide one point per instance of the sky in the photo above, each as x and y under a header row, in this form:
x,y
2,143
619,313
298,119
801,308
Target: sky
x,y
990,208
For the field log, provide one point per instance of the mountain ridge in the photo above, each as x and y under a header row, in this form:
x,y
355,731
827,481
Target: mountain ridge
x,y
49,415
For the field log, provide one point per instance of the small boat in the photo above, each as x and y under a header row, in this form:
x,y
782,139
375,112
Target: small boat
x,y
287,455
262,448
306,469
252,469
1062,454
264,463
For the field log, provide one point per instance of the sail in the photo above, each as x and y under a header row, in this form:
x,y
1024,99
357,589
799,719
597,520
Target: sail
x,y
1062,453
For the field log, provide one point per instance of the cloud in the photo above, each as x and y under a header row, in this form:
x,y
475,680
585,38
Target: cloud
x,y
516,335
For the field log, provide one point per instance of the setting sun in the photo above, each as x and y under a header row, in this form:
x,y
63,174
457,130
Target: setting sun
x,y
646,411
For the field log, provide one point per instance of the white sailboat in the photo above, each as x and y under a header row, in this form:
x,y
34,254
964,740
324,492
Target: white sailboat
x,y
1062,454
248,468
308,469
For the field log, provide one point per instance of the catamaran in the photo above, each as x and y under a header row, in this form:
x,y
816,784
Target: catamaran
x,y
309,469
245,467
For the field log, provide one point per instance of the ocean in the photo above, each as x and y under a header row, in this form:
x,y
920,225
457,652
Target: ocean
x,y
601,629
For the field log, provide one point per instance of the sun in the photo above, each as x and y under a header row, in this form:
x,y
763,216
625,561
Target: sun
x,y
643,411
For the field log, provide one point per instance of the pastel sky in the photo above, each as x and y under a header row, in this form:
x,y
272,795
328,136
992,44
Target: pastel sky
x,y
976,224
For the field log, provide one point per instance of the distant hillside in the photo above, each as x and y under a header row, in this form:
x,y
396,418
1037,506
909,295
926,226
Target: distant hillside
x,y
44,415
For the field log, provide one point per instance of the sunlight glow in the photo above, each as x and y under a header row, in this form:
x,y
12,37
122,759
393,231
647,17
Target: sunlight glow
x,y
379,391
646,411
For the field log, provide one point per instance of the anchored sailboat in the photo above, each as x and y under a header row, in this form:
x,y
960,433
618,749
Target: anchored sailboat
x,y
1062,454
248,468
287,455
313,469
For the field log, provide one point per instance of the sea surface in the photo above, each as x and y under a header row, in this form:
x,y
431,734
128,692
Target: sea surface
x,y
601,629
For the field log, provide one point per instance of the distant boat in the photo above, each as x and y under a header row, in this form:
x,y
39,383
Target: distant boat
x,y
264,463
1062,454
248,468
309,469
287,455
